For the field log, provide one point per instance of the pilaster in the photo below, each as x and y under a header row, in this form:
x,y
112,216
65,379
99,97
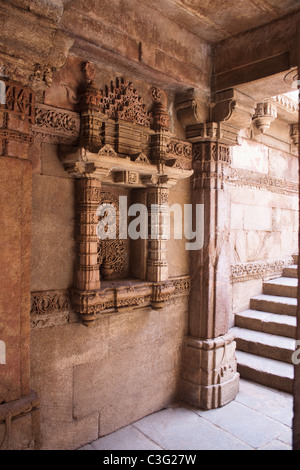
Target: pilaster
x,y
19,409
210,377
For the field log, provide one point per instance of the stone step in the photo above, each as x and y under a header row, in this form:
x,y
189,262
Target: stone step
x,y
274,304
268,372
275,347
295,258
283,325
283,286
291,271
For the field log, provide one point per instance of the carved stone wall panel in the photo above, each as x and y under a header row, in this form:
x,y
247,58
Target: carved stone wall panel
x,y
113,254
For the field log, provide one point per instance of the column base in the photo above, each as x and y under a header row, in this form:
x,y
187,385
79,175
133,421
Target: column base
x,y
20,424
209,378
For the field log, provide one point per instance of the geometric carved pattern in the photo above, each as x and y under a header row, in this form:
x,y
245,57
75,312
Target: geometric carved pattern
x,y
16,118
211,152
20,101
123,102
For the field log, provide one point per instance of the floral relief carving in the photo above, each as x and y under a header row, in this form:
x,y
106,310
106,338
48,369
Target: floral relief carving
x,y
258,269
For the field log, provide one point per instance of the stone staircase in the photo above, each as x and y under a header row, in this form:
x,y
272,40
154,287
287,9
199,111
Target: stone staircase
x,y
265,334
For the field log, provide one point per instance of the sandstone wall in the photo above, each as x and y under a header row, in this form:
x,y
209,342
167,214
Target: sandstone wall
x,y
92,381
264,217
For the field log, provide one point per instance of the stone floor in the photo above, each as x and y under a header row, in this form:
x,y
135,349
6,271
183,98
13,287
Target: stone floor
x,y
259,418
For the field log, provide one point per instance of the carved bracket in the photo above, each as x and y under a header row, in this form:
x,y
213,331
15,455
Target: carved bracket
x,y
229,112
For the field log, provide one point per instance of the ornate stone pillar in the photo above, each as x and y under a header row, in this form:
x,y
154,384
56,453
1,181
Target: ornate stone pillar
x,y
209,372
209,375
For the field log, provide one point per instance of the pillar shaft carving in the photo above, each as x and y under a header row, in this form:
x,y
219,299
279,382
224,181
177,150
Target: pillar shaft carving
x,y
157,265
88,198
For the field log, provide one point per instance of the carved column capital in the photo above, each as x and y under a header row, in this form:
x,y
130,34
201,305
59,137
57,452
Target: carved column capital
x,y
230,111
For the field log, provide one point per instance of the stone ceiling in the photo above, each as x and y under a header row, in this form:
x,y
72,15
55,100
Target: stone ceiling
x,y
216,20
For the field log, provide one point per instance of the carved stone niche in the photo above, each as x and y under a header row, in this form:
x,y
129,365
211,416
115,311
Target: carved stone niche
x,y
229,112
124,150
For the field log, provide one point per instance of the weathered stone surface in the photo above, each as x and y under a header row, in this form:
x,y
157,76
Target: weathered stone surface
x,y
251,156
234,58
162,51
242,292
51,9
126,342
283,164
69,436
15,243
52,233
27,39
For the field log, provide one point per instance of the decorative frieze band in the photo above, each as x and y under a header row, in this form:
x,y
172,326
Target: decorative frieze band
x,y
49,308
53,308
253,179
55,125
258,269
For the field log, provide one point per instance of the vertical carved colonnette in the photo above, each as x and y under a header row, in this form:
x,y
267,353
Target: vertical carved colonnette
x,y
88,198
90,104
209,373
157,265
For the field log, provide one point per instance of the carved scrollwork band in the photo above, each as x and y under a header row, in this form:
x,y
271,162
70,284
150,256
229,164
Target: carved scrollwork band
x,y
258,269
49,308
56,126
52,308
253,179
